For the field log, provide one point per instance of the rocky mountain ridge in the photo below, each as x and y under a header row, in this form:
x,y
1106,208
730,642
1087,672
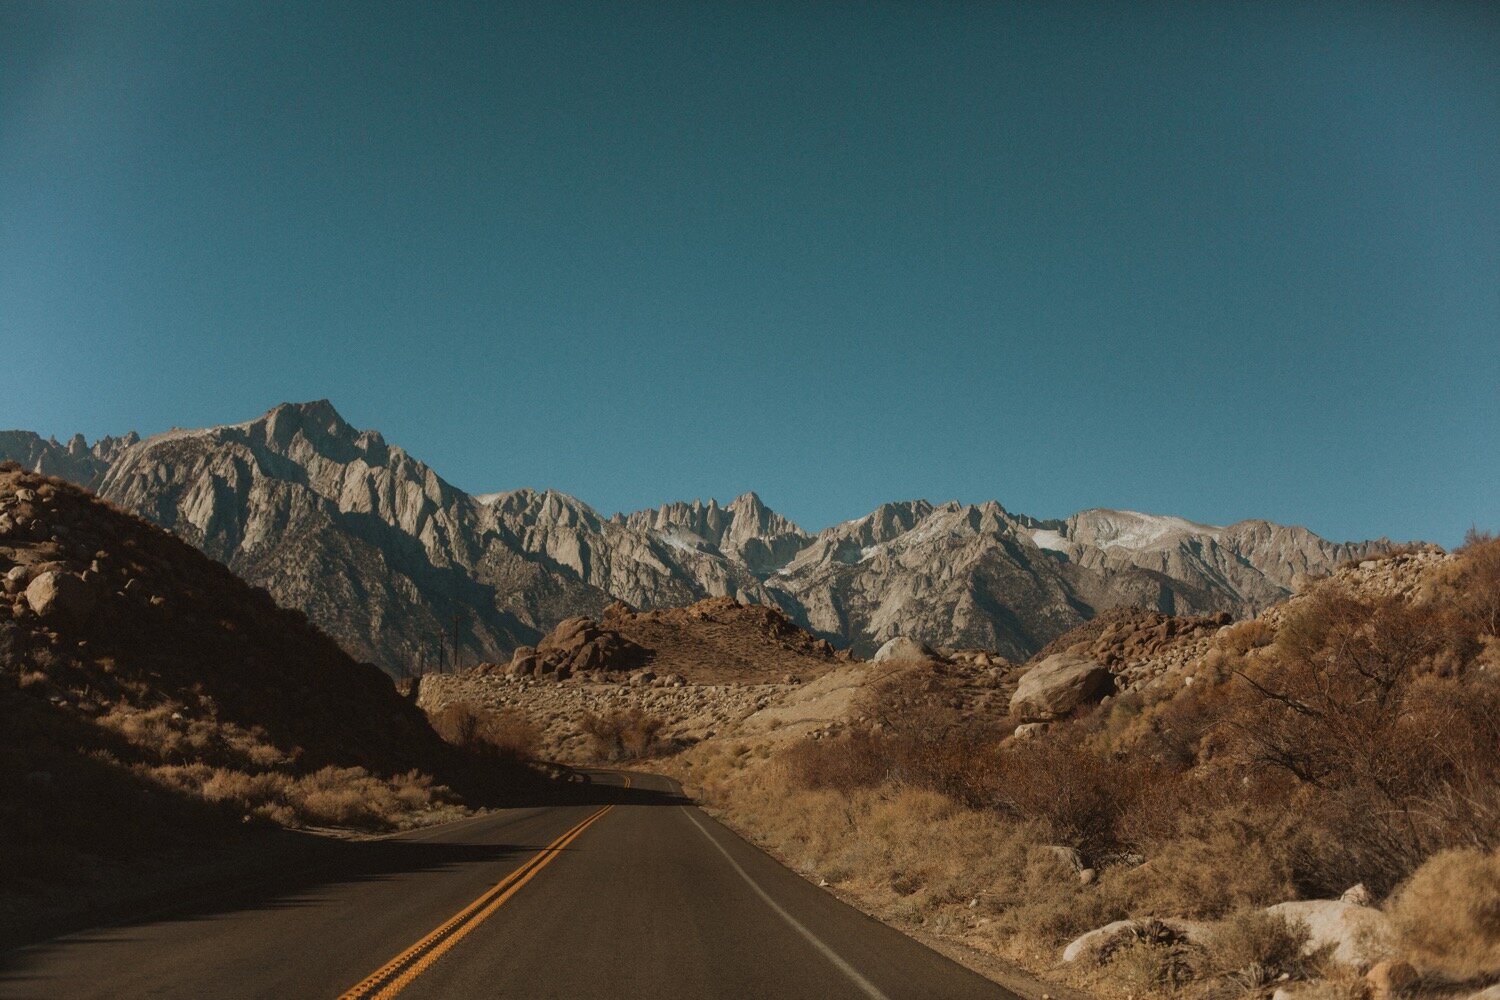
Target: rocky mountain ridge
x,y
384,554
77,461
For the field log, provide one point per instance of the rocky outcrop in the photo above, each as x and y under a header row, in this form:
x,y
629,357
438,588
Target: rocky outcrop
x,y
576,646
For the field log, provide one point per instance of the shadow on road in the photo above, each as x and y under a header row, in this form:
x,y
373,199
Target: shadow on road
x,y
281,869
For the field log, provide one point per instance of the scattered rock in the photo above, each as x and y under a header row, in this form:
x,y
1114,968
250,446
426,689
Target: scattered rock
x,y
1358,895
1088,876
1030,730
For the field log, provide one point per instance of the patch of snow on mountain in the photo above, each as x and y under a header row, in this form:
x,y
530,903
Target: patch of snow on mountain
x,y
1129,529
690,543
488,498
1049,540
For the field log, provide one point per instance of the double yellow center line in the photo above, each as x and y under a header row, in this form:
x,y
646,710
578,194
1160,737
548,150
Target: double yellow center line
x,y
394,976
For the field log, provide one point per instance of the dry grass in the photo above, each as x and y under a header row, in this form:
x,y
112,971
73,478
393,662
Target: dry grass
x,y
1253,949
1447,915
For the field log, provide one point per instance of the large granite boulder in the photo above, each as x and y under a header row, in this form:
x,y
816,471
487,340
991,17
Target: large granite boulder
x,y
1359,936
903,649
61,598
1058,685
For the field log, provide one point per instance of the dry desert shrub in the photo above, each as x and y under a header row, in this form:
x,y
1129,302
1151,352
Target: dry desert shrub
x,y
1370,707
1447,915
1082,794
623,734
485,733
330,796
1254,948
1212,862
852,761
1149,967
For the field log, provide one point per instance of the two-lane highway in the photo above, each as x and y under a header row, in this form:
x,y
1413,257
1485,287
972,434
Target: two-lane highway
x,y
633,893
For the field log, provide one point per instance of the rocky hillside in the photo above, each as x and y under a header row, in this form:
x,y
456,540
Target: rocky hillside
x,y
382,553
373,545
699,671
153,700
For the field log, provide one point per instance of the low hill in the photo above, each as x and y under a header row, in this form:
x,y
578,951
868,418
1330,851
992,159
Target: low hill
x,y
691,673
715,641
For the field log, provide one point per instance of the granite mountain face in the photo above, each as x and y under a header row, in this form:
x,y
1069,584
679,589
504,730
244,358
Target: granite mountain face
x,y
383,554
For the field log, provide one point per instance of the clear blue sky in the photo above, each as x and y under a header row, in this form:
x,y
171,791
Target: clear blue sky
x,y
1219,260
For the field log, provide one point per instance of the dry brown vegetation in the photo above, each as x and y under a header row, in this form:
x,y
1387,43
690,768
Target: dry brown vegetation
x,y
1448,914
1349,739
505,736
623,734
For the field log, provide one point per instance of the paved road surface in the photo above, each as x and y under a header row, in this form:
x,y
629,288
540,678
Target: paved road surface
x,y
631,894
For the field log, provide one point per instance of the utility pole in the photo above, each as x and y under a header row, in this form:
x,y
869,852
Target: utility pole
x,y
457,620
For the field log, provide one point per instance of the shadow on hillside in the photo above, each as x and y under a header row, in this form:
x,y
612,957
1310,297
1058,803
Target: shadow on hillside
x,y
284,869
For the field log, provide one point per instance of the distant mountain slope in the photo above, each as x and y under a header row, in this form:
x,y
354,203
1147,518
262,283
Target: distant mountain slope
x,y
77,461
382,553
372,544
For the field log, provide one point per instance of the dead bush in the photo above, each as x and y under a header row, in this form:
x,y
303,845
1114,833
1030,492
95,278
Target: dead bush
x,y
1254,948
1370,706
844,763
1245,636
1210,858
1447,915
1080,793
623,734
486,733
1145,966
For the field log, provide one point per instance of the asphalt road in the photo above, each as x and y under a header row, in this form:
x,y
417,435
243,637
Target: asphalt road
x,y
629,893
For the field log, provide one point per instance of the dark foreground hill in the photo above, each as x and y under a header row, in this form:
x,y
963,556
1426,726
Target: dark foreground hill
x,y
152,701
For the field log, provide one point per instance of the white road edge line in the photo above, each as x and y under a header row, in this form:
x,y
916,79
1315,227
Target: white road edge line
x,y
869,988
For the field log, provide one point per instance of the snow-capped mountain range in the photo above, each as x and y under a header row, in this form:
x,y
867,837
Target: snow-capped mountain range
x,y
381,552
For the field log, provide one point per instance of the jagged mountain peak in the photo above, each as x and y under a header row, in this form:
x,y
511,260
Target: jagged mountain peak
x,y
378,549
